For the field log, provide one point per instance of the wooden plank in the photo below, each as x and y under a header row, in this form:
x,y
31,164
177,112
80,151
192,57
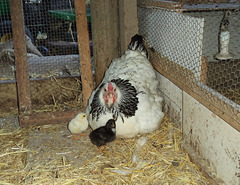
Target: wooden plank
x,y
204,69
20,56
211,6
128,22
161,4
84,50
105,34
182,79
44,118
175,5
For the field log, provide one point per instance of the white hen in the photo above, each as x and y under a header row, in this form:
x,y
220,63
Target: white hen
x,y
128,93
78,125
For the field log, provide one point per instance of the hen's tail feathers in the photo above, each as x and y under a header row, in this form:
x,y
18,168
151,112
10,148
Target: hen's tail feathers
x,y
137,44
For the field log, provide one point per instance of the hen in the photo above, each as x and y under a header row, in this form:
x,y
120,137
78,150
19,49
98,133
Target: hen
x,y
128,93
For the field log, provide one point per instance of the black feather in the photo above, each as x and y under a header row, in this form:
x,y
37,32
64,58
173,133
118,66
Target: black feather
x,y
128,102
104,134
137,44
96,107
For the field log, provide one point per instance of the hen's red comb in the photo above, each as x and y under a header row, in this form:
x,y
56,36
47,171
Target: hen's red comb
x,y
110,87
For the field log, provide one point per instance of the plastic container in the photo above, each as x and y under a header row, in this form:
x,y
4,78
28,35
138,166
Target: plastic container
x,y
4,7
67,14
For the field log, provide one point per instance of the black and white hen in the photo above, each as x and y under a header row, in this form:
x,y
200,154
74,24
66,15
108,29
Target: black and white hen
x,y
128,93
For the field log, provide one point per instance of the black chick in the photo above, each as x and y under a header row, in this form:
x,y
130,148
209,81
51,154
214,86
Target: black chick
x,y
104,134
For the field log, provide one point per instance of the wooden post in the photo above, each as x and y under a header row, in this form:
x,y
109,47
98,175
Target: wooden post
x,y
20,51
204,70
84,50
128,22
105,34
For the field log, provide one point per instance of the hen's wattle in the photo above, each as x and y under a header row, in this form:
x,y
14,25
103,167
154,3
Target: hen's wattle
x,y
134,100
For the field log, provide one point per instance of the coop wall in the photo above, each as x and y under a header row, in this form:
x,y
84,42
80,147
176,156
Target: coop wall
x,y
211,137
182,46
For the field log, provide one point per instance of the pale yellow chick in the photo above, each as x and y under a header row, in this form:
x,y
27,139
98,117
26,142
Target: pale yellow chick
x,y
78,125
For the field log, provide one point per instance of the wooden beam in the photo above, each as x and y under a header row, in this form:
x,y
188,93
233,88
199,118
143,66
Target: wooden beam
x,y
105,34
160,3
45,118
20,50
128,22
204,69
84,50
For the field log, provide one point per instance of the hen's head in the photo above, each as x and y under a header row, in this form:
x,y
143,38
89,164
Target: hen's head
x,y
110,94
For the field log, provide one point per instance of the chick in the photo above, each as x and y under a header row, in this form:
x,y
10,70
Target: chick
x,y
104,134
78,125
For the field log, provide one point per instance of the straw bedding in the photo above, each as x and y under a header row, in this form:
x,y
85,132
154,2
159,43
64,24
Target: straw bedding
x,y
49,155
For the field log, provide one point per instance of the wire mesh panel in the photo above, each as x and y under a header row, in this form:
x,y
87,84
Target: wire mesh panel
x,y
175,36
52,54
223,73
197,46
8,93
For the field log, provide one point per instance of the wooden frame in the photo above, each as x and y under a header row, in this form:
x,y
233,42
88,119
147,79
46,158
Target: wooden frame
x,y
26,117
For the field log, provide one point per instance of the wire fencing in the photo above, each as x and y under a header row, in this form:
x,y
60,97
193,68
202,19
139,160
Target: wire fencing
x,y
197,47
52,54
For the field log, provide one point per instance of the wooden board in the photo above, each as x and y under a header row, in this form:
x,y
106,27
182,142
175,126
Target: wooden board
x,y
211,7
44,118
105,34
161,4
189,5
128,22
204,70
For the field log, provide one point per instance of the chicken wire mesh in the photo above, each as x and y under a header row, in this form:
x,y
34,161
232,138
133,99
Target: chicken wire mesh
x,y
187,39
52,54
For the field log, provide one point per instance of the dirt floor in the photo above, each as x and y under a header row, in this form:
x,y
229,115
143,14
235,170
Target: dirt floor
x,y
49,155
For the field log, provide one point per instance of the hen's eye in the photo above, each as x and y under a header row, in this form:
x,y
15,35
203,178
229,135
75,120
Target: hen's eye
x,y
84,116
114,90
105,90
